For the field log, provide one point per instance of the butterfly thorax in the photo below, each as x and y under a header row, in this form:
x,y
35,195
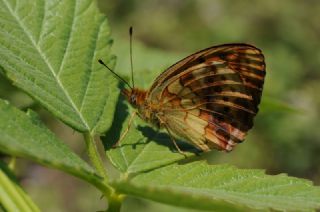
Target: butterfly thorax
x,y
138,99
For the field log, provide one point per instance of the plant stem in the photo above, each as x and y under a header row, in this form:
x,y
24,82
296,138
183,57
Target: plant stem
x,y
114,199
95,156
115,202
97,162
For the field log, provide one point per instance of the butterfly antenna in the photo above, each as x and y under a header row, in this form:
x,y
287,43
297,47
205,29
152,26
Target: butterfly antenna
x,y
115,74
130,34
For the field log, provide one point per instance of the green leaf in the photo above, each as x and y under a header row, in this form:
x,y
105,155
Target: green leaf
x,y
271,105
24,135
12,196
222,187
50,50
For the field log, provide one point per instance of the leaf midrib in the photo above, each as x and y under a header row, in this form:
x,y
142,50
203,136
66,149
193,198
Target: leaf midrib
x,y
44,58
208,193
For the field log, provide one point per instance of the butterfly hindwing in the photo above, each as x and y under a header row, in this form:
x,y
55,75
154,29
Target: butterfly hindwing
x,y
223,84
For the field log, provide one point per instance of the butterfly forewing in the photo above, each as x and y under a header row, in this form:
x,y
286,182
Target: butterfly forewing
x,y
211,97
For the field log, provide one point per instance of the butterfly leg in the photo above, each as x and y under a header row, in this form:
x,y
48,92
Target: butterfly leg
x,y
172,138
126,130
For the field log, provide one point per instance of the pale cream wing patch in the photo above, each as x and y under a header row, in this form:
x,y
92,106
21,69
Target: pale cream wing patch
x,y
190,126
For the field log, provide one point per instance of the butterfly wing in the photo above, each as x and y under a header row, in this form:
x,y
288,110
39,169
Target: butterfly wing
x,y
211,97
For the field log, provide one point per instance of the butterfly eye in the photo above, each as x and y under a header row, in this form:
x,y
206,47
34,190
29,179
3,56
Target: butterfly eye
x,y
133,98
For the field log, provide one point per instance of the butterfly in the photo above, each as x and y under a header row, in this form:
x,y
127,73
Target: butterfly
x,y
209,98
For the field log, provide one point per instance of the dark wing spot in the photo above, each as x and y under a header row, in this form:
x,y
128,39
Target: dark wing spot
x,y
213,69
223,133
225,98
226,109
217,89
209,80
223,78
201,60
184,79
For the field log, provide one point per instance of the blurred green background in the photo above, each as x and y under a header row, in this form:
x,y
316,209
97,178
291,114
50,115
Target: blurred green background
x,y
286,135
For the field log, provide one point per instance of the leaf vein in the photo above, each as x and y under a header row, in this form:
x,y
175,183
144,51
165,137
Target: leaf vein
x,y
45,59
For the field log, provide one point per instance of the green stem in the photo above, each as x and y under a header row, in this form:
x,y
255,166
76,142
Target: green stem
x,y
97,162
115,202
114,199
95,156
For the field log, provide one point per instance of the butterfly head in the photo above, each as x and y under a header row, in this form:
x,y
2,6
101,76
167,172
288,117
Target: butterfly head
x,y
136,97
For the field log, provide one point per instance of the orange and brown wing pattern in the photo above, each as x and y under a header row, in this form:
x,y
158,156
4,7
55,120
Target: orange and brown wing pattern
x,y
211,97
